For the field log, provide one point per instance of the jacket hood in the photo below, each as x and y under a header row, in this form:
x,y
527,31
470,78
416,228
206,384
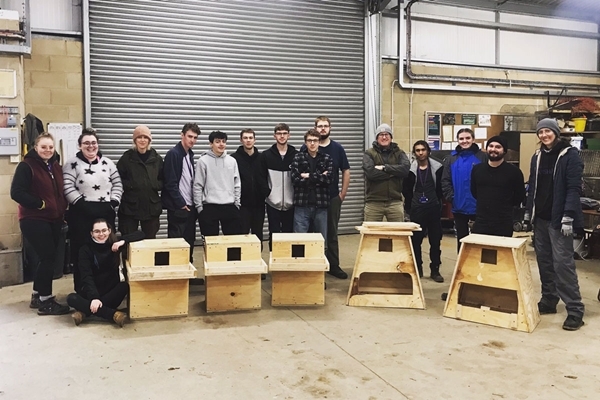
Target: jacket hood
x,y
474,149
82,157
557,148
393,146
289,149
210,153
240,150
435,165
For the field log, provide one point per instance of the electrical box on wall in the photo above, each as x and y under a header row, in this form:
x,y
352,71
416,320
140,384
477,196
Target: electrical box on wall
x,y
9,141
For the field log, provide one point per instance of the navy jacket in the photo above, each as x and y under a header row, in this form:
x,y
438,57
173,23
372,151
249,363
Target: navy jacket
x,y
171,198
568,172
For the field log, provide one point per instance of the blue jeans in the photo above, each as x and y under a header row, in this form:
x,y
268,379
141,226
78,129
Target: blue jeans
x,y
307,217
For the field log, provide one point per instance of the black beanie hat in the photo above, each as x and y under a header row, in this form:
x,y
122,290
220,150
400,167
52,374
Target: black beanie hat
x,y
500,140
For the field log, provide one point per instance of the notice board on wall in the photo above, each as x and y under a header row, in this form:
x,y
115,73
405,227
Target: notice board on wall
x,y
65,138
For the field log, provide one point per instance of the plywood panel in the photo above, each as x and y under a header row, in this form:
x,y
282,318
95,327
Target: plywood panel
x,y
216,247
144,253
293,288
233,292
153,299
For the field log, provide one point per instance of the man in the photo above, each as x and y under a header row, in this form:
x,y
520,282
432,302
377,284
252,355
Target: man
x,y
311,176
498,187
141,171
456,181
217,189
275,182
422,191
385,166
253,204
340,163
554,207
177,193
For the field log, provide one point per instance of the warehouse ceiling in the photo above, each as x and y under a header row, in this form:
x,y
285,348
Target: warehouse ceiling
x,y
584,10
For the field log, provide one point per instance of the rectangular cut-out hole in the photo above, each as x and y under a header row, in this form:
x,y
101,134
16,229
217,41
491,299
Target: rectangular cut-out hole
x,y
502,300
489,256
161,258
234,254
386,245
298,250
385,283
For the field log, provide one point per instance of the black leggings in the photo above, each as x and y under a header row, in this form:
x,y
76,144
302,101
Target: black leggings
x,y
110,301
43,237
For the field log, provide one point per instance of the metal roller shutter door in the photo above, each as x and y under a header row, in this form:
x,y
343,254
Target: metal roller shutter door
x,y
229,65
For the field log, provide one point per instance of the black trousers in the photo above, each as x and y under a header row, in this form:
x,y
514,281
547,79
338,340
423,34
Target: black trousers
x,y
44,238
279,221
110,301
227,215
461,223
182,224
429,218
253,219
129,224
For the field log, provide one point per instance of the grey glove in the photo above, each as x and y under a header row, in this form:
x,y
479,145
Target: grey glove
x,y
527,226
567,226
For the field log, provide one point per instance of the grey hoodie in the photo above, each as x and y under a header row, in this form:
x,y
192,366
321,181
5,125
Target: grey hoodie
x,y
217,181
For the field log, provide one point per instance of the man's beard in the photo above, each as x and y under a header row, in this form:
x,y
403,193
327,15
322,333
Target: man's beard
x,y
323,136
495,156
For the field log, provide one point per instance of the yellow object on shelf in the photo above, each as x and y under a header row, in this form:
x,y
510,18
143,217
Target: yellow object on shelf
x,y
579,124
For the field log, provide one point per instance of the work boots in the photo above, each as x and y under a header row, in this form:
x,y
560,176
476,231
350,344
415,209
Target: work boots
x,y
435,275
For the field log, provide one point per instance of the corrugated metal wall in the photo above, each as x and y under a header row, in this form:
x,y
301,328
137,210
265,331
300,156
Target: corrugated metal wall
x,y
229,65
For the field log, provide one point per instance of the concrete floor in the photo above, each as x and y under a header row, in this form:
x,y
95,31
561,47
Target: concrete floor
x,y
333,352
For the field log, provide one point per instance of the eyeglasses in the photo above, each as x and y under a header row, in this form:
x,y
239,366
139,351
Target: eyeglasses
x,y
312,140
90,144
322,126
383,134
99,231
281,133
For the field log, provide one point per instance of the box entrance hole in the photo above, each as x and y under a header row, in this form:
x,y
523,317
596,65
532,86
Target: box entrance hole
x,y
385,245
502,300
298,250
489,256
385,283
234,254
161,258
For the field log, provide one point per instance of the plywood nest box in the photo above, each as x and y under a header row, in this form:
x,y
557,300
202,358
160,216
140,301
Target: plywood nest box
x,y
492,284
158,271
385,273
297,265
232,269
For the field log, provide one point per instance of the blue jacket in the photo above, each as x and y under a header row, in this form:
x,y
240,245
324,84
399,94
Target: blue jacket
x,y
456,178
568,172
171,198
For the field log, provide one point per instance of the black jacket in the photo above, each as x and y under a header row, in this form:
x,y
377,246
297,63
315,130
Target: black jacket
x,y
141,183
99,267
275,177
248,168
171,198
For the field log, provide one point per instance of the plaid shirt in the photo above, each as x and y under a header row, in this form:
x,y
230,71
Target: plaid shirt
x,y
317,180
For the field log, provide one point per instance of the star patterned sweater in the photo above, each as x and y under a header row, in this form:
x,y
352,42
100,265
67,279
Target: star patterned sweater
x,y
97,181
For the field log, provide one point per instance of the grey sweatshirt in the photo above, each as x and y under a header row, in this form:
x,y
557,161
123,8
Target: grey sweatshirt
x,y
217,181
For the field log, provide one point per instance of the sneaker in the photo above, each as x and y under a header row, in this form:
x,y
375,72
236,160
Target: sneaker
x,y
435,276
546,309
572,323
338,273
35,301
78,317
52,307
119,318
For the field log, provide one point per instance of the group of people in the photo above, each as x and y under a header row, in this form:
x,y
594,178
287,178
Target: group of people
x,y
300,191
483,190
298,188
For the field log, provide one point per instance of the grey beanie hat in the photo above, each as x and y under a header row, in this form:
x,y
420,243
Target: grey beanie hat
x,y
384,128
549,123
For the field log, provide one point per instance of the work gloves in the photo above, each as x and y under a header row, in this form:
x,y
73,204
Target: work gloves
x,y
527,227
567,226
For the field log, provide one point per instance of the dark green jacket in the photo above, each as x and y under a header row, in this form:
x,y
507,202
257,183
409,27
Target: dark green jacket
x,y
141,184
387,184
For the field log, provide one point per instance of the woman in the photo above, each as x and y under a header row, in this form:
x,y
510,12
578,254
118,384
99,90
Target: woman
x,y
38,188
456,181
100,290
141,170
92,188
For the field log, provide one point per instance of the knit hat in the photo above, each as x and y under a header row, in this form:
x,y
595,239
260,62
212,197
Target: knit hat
x,y
384,128
142,130
549,123
500,140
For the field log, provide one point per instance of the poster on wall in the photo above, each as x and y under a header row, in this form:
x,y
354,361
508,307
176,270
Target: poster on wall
x,y
434,142
485,120
433,124
469,119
